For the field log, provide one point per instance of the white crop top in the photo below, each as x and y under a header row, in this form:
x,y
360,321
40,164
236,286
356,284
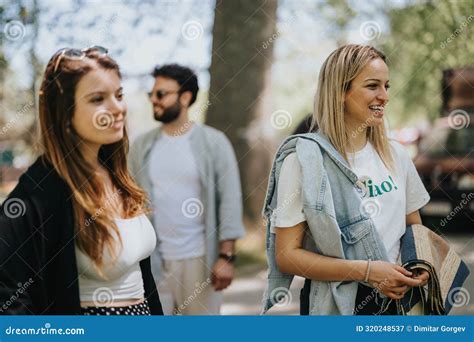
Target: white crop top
x,y
123,277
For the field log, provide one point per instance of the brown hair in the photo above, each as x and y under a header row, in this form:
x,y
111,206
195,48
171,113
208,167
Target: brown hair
x,y
94,225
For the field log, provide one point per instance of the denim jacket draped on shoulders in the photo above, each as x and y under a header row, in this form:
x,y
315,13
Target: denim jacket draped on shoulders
x,y
332,197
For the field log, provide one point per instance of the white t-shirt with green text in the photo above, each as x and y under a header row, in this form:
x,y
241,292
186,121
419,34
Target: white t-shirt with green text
x,y
389,195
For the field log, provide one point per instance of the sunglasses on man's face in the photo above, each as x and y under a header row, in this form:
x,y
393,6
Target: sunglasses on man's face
x,y
76,54
160,94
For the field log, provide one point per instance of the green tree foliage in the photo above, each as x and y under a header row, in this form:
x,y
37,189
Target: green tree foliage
x,y
338,14
425,38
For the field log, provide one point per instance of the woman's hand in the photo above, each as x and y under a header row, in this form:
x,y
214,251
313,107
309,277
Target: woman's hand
x,y
392,280
422,275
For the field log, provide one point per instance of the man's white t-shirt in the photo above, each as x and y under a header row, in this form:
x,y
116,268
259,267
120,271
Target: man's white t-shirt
x,y
178,211
389,196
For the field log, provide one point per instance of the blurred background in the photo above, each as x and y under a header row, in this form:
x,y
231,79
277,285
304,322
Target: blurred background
x,y
257,64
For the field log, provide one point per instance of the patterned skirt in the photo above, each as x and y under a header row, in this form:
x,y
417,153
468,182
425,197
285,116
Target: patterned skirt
x,y
141,309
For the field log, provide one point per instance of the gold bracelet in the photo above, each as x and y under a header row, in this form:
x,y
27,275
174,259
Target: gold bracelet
x,y
367,273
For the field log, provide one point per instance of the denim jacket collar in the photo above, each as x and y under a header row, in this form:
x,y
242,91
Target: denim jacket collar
x,y
334,154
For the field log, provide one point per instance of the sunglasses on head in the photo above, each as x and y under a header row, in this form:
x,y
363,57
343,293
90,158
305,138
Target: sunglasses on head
x,y
77,54
160,94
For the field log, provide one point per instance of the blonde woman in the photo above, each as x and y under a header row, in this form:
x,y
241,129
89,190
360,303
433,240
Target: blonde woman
x,y
339,200
73,233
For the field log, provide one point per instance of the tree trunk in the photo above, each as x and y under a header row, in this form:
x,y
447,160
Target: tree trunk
x,y
242,53
31,135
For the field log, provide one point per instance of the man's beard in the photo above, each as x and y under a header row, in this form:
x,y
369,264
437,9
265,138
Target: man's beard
x,y
170,114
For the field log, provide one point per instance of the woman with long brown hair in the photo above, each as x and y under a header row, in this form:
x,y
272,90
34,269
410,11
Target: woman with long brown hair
x,y
74,235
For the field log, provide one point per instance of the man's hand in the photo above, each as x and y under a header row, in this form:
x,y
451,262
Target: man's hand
x,y
222,274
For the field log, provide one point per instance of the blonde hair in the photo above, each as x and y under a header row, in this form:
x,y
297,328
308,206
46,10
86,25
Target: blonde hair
x,y
335,77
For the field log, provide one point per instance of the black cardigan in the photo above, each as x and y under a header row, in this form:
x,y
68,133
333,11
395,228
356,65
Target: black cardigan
x,y
38,270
